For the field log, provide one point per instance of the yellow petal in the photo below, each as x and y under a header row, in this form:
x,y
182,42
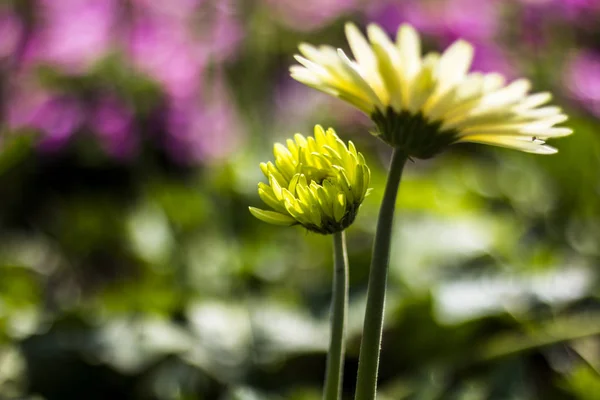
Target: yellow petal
x,y
272,217
339,207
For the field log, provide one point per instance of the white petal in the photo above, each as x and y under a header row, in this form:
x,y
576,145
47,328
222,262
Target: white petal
x,y
549,132
424,84
334,76
537,113
434,108
475,117
528,145
467,96
454,64
389,67
305,76
358,80
510,94
365,58
492,81
517,129
312,53
317,69
502,127
535,100
409,44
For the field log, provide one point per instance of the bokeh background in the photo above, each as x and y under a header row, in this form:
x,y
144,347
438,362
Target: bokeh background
x,y
130,267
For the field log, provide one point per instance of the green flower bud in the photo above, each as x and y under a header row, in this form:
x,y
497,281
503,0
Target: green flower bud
x,y
317,182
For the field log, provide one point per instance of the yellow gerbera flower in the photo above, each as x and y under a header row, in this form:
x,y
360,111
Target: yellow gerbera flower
x,y
423,104
317,182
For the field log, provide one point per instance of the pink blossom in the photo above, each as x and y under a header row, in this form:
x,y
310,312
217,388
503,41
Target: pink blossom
x,y
175,52
72,34
11,29
477,21
474,20
203,128
112,121
310,14
582,79
166,53
55,117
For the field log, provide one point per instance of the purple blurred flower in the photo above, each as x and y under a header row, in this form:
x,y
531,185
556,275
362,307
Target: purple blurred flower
x,y
55,117
477,21
167,48
113,122
569,9
203,129
172,42
175,49
212,25
310,14
492,58
166,53
11,29
72,34
473,20
178,9
582,80
220,33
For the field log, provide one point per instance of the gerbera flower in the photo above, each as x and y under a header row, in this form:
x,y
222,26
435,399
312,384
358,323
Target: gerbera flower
x,y
423,104
317,182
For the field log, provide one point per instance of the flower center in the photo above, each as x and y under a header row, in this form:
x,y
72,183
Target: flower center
x,y
412,133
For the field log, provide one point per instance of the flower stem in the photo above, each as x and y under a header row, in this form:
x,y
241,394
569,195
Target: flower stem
x,y
339,310
368,364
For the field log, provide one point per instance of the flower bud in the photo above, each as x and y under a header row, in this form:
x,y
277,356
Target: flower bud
x,y
317,182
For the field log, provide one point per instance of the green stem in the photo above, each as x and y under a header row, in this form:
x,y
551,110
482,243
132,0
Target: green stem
x,y
368,362
339,311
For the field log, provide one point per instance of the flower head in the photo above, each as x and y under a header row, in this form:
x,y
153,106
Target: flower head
x,y
423,104
317,182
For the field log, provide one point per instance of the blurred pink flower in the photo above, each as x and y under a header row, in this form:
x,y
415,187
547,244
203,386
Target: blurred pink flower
x,y
72,34
566,8
11,29
492,58
220,32
55,117
165,52
169,49
582,80
541,18
174,43
178,9
473,20
204,128
309,15
477,21
113,122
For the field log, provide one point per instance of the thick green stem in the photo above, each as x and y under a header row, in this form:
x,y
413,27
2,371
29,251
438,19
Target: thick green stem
x,y
368,363
339,311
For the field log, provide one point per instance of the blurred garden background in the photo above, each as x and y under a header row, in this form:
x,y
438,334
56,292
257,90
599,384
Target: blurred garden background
x,y
130,267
